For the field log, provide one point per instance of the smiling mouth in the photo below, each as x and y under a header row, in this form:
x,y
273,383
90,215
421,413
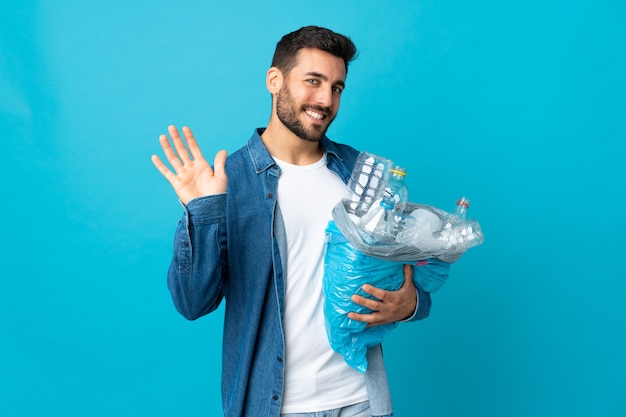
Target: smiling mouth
x,y
317,115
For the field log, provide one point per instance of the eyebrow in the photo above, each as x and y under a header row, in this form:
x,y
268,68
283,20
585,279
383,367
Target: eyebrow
x,y
324,77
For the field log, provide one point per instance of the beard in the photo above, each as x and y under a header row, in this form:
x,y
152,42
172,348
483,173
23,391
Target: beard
x,y
288,112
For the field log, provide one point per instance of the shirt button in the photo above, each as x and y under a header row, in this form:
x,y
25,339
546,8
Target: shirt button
x,y
270,195
279,359
275,397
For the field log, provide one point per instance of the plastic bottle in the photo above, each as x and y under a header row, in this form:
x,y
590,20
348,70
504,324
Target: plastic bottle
x,y
367,182
397,188
457,215
386,219
458,233
462,236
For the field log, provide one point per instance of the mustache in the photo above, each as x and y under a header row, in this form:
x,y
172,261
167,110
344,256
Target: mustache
x,y
325,110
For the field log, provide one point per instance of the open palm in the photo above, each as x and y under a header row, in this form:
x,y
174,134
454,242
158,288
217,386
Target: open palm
x,y
192,176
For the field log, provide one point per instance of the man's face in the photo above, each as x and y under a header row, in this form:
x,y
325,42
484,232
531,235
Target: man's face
x,y
308,100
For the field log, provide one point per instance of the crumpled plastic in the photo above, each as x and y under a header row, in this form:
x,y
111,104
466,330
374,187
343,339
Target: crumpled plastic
x,y
390,250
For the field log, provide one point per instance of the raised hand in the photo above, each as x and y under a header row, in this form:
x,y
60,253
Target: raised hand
x,y
192,176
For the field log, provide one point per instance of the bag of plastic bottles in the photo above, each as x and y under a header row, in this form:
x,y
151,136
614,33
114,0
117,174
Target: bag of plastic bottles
x,y
353,258
374,232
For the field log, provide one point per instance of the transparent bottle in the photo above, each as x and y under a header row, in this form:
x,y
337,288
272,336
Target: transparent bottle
x,y
459,214
458,233
367,182
386,219
396,188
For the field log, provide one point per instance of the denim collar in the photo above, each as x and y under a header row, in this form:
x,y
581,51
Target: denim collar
x,y
262,160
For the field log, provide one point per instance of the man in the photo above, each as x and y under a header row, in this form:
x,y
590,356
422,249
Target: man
x,y
253,234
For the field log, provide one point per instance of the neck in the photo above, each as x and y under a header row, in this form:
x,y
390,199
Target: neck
x,y
286,146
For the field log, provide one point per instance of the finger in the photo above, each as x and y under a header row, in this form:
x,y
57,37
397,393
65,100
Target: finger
x,y
373,305
370,319
408,271
408,275
192,144
219,163
158,163
408,279
374,291
169,153
178,144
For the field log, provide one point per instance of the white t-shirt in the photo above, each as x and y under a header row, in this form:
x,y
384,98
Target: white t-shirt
x,y
316,377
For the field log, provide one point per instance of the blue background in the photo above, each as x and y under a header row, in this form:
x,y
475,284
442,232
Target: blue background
x,y
520,106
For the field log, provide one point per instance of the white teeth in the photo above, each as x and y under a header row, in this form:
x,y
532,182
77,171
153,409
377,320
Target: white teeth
x,y
315,115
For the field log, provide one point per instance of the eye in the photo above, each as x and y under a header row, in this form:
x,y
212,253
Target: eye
x,y
337,90
312,81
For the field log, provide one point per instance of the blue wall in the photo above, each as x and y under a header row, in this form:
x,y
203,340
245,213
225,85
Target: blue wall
x,y
519,106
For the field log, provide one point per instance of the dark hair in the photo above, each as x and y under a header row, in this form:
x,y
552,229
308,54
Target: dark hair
x,y
312,37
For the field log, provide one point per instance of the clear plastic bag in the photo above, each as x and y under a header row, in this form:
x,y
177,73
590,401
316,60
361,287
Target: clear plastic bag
x,y
392,250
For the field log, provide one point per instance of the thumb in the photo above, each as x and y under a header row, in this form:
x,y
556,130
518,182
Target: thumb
x,y
219,163
408,275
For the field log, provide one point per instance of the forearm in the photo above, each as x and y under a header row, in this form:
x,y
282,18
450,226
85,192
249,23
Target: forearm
x,y
198,269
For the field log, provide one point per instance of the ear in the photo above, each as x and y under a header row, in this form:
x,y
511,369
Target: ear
x,y
274,80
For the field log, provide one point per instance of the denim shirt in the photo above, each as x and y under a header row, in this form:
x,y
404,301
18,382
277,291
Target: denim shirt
x,y
232,246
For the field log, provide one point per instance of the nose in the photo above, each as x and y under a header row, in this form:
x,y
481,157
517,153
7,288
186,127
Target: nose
x,y
324,97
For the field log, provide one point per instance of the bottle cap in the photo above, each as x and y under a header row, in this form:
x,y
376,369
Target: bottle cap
x,y
399,171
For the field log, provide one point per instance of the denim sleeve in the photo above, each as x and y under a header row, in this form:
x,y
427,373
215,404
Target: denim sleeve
x,y
428,277
197,274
